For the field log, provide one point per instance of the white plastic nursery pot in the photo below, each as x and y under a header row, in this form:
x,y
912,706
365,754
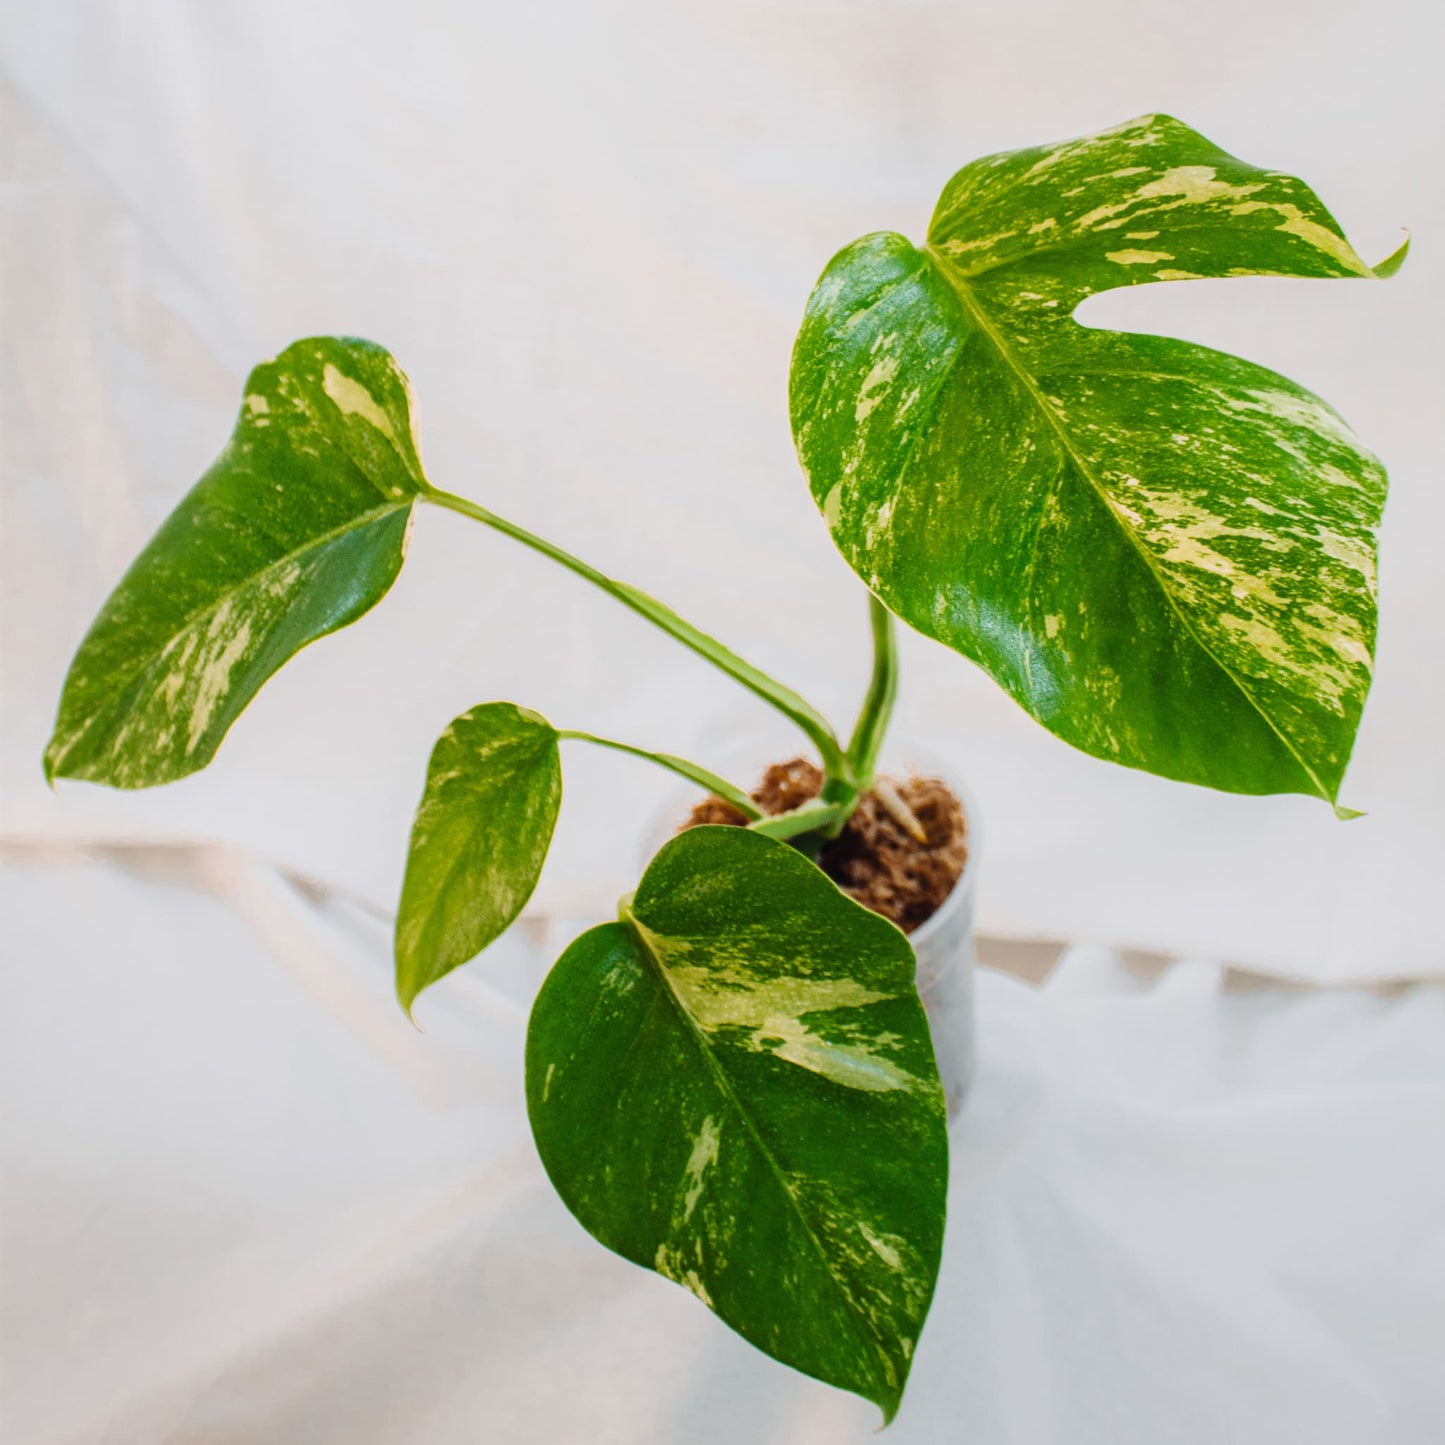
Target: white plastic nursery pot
x,y
944,945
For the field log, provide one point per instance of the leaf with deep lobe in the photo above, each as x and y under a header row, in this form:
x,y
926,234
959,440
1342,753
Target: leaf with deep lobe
x,y
493,788
1164,553
298,528
735,1086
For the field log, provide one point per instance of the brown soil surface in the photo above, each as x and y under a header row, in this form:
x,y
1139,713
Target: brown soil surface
x,y
875,859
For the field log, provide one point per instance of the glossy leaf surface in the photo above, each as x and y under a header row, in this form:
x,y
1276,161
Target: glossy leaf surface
x,y
298,528
493,788
735,1086
1166,554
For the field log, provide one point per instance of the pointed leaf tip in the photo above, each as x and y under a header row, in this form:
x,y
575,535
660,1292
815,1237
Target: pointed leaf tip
x,y
735,1086
1392,263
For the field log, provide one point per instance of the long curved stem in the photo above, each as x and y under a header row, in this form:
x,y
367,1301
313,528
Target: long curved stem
x,y
877,710
681,766
784,699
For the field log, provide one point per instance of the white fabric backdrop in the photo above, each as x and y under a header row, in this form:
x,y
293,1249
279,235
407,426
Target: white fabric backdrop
x,y
248,1202
243,1200
588,232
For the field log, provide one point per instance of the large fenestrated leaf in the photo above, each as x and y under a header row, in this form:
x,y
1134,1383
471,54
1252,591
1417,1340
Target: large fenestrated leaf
x,y
298,528
735,1086
493,788
1165,553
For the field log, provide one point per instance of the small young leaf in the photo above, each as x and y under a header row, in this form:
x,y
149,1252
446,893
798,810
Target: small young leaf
x,y
298,528
493,788
1166,554
736,1087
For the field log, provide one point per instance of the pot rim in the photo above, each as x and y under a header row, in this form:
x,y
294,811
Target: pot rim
x,y
928,763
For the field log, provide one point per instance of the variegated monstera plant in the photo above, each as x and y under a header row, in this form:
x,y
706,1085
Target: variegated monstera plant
x,y
1164,553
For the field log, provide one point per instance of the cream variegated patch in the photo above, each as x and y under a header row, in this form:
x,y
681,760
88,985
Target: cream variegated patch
x,y
704,1156
288,524
353,399
809,1217
1217,522
774,1012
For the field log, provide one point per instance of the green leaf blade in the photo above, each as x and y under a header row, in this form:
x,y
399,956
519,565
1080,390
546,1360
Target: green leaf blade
x,y
1164,553
1119,207
481,834
737,1089
297,529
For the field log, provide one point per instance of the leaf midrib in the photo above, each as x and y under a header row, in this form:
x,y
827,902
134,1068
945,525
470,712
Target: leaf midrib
x,y
725,1084
139,678
981,319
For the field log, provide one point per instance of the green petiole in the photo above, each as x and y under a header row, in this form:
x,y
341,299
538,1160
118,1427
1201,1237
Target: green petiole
x,y
784,699
729,792
877,709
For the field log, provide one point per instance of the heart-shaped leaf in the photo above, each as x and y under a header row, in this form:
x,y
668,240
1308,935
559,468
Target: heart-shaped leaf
x,y
1166,554
493,788
298,528
735,1086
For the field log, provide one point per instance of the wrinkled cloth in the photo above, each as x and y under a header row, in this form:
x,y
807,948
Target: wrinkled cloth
x,y
245,1200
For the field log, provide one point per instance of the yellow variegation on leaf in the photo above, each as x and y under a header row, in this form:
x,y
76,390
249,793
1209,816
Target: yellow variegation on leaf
x,y
735,1086
1166,554
298,528
480,837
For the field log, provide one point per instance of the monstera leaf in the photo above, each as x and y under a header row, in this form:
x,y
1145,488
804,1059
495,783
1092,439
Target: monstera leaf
x,y
1166,554
735,1086
493,788
298,528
